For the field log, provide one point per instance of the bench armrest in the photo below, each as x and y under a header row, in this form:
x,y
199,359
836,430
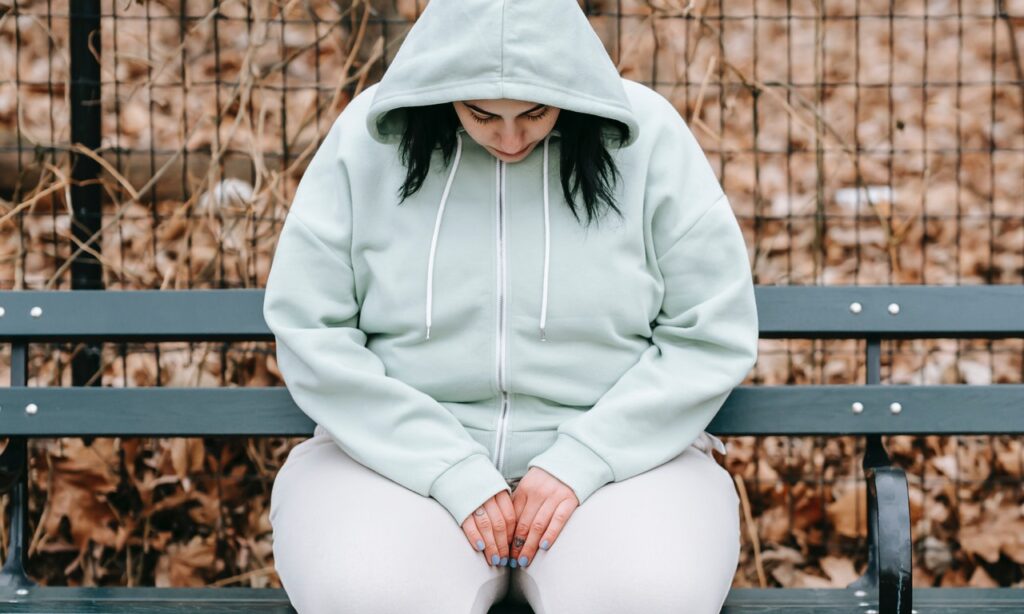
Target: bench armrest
x,y
12,464
889,506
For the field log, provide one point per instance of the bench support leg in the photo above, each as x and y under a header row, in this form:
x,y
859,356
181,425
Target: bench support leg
x,y
14,480
890,542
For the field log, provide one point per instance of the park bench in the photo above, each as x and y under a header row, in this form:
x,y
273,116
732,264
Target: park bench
x,y
869,409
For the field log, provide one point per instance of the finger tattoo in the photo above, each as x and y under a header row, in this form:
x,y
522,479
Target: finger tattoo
x,y
518,542
479,512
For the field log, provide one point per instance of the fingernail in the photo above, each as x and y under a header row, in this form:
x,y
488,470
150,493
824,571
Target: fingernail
x,y
480,544
523,561
512,563
495,558
544,545
504,561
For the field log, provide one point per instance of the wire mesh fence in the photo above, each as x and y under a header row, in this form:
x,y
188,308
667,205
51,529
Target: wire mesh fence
x,y
157,145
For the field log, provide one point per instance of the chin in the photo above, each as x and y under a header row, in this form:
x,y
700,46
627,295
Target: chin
x,y
525,151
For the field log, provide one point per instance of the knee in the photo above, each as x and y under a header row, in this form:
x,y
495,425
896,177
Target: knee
x,y
324,582
316,588
694,595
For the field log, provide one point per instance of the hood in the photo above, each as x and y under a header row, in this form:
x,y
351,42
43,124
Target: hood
x,y
542,51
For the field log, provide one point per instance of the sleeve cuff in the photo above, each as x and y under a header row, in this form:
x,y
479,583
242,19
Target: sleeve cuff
x,y
466,485
579,467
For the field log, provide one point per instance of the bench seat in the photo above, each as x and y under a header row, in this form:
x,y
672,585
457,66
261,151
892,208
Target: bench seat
x,y
148,600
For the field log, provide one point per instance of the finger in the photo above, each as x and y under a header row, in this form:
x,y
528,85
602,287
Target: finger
x,y
483,524
500,528
519,500
509,514
538,527
525,519
473,533
560,516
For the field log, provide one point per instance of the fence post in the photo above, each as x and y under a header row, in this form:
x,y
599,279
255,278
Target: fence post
x,y
86,205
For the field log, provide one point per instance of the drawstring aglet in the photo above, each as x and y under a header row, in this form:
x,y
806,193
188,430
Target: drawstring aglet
x,y
543,335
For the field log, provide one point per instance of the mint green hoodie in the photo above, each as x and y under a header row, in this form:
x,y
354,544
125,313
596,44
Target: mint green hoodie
x,y
479,329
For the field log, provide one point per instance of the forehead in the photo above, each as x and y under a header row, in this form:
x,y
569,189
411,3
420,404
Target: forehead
x,y
499,106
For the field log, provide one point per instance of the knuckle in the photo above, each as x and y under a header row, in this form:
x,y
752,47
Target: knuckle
x,y
539,526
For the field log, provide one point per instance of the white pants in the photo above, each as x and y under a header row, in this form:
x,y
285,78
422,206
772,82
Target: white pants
x,y
349,540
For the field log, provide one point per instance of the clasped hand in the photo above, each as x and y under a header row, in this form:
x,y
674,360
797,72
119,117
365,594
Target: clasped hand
x,y
517,526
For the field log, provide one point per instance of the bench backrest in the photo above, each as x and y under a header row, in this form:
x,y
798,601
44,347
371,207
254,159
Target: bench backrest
x,y
871,313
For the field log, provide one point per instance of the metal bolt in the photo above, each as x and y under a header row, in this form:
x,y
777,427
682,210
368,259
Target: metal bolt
x,y
856,307
857,407
895,407
31,409
36,311
894,308
859,593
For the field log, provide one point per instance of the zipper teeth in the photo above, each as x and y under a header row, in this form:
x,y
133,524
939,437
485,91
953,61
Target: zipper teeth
x,y
503,417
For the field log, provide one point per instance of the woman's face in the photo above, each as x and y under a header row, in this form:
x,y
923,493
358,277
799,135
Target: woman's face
x,y
507,128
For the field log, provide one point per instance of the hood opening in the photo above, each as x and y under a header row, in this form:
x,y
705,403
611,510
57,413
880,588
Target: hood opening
x,y
542,51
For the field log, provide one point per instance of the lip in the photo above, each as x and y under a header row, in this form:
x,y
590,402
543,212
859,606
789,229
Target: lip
x,y
513,155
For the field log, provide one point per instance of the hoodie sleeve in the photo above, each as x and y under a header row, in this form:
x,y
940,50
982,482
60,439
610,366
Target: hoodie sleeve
x,y
704,339
311,307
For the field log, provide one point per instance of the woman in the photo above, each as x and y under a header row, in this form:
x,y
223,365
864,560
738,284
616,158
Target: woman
x,y
511,293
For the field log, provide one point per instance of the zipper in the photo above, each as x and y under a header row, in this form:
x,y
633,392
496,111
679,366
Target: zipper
x,y
499,446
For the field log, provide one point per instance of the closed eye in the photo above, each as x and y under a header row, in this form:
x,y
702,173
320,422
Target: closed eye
x,y
484,120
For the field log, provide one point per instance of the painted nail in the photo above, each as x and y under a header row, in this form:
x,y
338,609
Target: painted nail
x,y
544,545
523,561
512,563
495,558
504,561
480,544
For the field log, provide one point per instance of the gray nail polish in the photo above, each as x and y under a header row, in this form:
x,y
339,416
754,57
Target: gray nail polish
x,y
544,545
495,558
512,563
480,545
504,561
523,561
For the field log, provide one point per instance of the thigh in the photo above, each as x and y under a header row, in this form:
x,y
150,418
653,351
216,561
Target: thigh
x,y
666,540
347,539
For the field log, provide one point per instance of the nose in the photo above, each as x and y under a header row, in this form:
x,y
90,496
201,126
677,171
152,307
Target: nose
x,y
511,139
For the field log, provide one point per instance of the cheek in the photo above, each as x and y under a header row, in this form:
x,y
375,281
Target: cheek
x,y
476,132
550,123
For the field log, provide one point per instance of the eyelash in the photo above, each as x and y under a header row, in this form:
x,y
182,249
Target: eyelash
x,y
530,117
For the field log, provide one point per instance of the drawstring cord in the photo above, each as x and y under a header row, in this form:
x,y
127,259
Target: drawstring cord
x,y
437,230
547,247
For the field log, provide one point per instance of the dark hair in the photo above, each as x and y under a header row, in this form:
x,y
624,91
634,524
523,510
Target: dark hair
x,y
585,162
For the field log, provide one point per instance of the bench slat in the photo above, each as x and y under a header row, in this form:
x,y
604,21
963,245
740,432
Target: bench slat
x,y
149,600
926,600
749,410
783,312
115,600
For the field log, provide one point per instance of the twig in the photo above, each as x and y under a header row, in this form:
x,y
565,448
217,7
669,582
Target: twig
x,y
748,519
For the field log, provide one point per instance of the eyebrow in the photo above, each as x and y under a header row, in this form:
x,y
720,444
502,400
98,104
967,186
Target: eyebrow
x,y
479,110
